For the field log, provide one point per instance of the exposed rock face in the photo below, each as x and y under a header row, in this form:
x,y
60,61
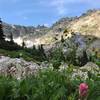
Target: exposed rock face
x,y
17,68
85,71
78,42
20,33
87,24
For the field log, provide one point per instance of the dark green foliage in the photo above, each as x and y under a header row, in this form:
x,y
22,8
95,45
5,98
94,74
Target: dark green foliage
x,y
2,36
94,58
62,39
71,57
98,63
11,38
94,90
8,45
41,52
65,31
84,59
37,54
56,58
23,44
15,51
34,48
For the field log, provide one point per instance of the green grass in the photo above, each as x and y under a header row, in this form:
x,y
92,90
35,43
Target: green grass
x,y
16,54
19,54
48,85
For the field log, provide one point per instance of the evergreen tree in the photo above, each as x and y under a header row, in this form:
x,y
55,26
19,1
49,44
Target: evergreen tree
x,y
41,51
23,44
62,39
83,59
11,38
65,31
2,36
34,48
41,48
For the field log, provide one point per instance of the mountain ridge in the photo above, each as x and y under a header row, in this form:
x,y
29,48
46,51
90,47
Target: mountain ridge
x,y
86,24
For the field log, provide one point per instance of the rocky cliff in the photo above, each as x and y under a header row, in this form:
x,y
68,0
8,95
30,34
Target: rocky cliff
x,y
27,33
86,24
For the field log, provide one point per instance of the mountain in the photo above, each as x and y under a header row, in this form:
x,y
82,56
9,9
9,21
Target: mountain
x,y
26,33
18,30
86,24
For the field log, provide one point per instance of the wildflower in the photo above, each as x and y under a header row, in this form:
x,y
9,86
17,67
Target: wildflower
x,y
83,90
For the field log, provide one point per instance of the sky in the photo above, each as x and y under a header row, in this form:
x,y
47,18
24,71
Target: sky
x,y
39,12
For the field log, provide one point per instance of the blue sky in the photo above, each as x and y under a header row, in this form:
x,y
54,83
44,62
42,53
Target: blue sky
x,y
34,12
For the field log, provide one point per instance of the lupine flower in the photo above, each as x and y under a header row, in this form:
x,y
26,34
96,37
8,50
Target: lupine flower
x,y
83,90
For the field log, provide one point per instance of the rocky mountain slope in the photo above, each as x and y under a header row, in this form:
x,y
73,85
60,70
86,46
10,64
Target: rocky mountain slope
x,y
18,30
86,24
27,33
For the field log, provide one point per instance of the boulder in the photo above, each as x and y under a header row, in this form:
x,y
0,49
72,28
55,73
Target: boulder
x,y
17,67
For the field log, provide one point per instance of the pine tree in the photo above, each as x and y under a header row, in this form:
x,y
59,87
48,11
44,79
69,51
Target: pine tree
x,y
62,39
2,36
34,48
23,44
41,48
84,59
65,31
11,38
42,51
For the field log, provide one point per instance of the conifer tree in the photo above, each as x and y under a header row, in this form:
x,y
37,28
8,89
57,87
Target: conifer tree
x,y
41,48
23,44
34,48
42,51
65,31
11,38
84,59
2,36
62,39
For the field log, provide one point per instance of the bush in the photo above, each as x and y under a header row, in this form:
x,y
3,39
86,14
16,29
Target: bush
x,y
56,58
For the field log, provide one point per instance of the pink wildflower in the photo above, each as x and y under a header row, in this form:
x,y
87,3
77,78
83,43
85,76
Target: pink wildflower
x,y
83,90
